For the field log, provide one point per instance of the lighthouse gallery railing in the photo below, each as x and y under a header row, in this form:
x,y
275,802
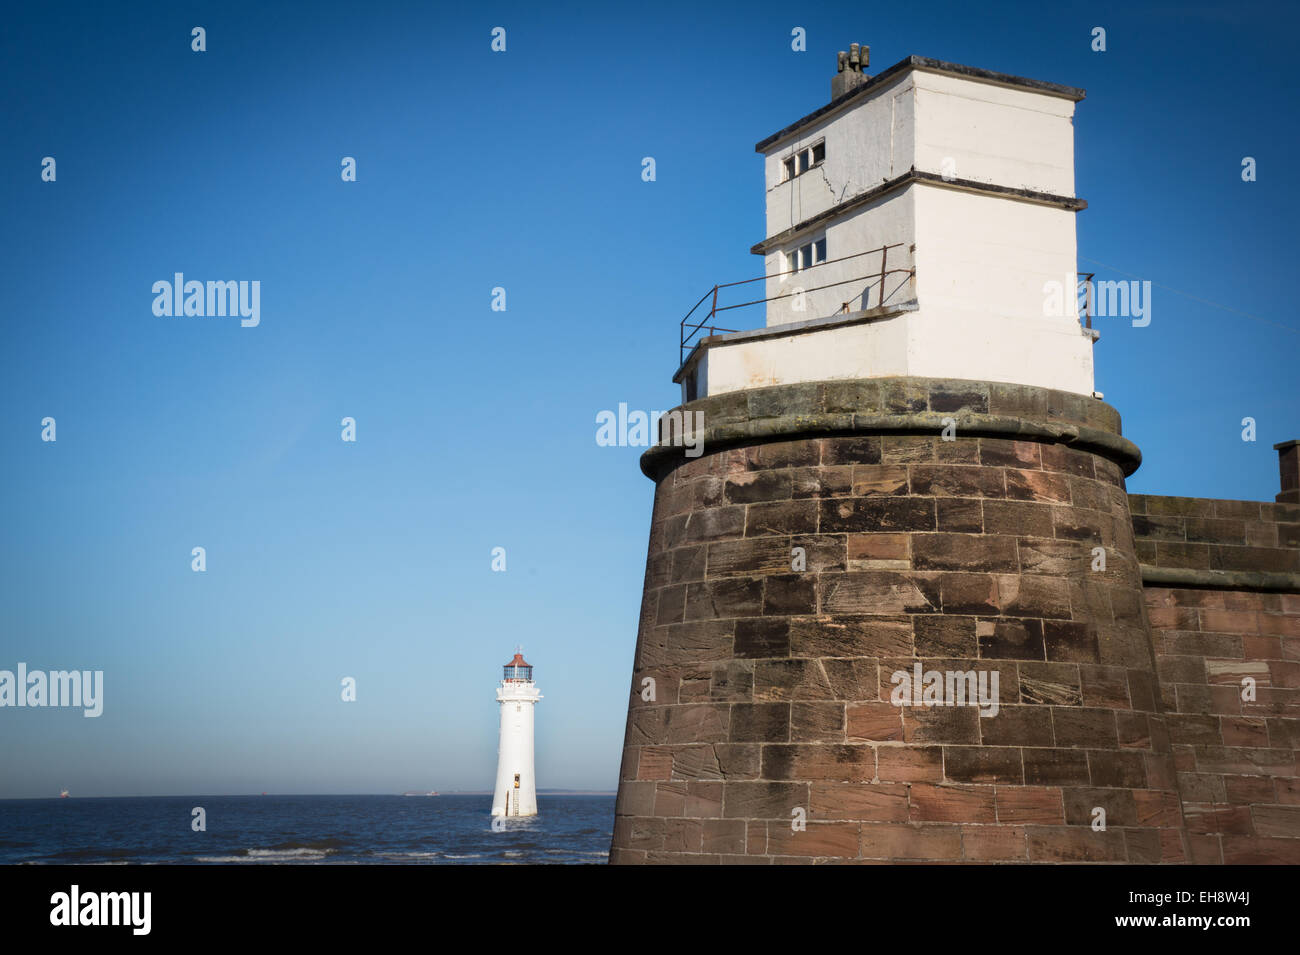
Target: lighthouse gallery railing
x,y
705,325
689,330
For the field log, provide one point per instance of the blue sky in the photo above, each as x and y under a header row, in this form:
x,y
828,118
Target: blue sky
x,y
476,428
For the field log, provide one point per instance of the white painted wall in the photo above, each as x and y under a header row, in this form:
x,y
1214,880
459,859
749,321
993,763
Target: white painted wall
x,y
862,151
981,260
518,701
994,134
885,221
982,263
851,351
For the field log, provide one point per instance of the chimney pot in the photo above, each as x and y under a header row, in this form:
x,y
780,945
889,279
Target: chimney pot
x,y
849,67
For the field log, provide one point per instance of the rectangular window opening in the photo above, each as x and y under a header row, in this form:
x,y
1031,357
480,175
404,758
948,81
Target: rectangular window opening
x,y
804,160
806,256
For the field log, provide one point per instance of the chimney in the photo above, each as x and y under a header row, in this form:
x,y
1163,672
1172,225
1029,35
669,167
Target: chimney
x,y
1288,464
850,73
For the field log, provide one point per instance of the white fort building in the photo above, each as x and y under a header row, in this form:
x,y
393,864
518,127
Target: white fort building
x,y
516,789
916,225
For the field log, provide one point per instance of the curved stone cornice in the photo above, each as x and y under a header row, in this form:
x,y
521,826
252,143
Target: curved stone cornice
x,y
896,406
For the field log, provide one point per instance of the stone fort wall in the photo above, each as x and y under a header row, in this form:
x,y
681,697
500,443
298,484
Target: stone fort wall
x,y
1219,616
830,538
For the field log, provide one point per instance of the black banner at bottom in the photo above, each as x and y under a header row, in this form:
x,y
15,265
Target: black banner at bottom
x,y
336,903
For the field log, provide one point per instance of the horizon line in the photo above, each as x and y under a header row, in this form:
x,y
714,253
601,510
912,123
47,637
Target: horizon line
x,y
439,792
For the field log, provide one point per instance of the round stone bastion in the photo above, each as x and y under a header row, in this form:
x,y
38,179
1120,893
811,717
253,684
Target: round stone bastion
x,y
889,620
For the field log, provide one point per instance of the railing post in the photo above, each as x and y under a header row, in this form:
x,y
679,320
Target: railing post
x,y
884,257
1087,296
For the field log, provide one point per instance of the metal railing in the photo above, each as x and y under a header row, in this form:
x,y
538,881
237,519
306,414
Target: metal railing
x,y
1085,279
689,330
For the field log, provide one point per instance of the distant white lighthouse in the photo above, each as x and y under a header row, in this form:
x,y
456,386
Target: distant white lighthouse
x,y
516,790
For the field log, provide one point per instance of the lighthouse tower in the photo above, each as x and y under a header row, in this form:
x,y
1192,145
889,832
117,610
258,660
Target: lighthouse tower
x,y
516,789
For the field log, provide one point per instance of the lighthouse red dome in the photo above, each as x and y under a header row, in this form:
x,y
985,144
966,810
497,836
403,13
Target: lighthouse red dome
x,y
518,669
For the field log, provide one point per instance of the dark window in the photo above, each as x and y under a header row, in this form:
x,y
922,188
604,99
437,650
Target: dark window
x,y
804,160
806,256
